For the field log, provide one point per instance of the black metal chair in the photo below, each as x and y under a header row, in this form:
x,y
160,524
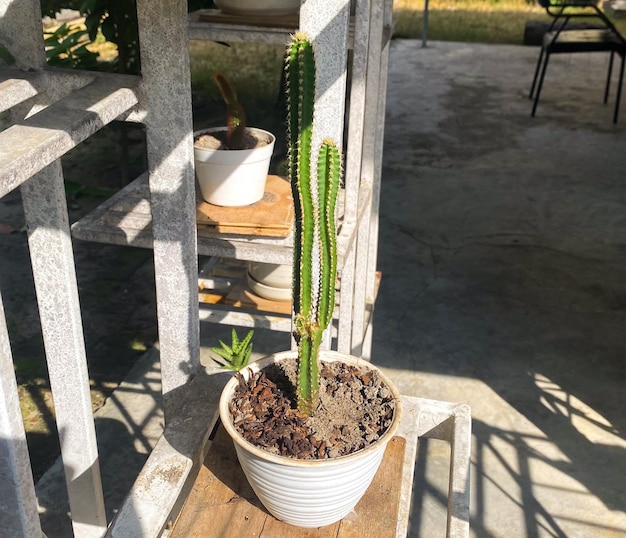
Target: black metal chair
x,y
560,39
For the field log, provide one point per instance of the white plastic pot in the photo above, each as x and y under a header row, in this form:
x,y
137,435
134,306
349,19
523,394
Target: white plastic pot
x,y
308,493
233,177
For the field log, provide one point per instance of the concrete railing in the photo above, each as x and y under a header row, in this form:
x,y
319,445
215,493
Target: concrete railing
x,y
51,111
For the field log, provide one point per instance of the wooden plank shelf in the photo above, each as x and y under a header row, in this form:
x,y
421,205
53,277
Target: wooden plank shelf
x,y
213,25
288,22
272,216
224,296
222,503
228,499
125,220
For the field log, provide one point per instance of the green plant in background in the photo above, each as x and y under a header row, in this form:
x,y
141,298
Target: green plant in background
x,y
116,21
67,47
235,115
315,242
237,355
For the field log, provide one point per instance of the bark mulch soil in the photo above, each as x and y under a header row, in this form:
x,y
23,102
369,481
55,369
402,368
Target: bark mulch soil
x,y
355,409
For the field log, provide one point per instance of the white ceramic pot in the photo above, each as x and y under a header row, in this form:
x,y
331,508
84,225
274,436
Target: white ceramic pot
x,y
308,493
261,8
272,281
233,177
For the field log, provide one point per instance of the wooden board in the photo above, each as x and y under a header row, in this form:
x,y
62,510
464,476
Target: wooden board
x,y
271,216
241,296
291,22
223,505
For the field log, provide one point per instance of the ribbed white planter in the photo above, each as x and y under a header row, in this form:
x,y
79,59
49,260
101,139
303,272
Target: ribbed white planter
x,y
308,493
233,177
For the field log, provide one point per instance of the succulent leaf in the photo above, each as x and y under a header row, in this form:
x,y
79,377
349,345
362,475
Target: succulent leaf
x,y
237,355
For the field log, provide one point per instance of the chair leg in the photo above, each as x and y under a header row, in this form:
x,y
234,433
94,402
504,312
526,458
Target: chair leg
x,y
608,78
539,86
619,88
532,88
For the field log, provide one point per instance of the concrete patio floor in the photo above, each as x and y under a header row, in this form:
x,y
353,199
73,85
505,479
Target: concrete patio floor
x,y
503,253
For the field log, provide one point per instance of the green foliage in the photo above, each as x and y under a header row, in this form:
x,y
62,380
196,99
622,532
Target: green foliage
x,y
315,242
237,355
117,21
235,115
67,47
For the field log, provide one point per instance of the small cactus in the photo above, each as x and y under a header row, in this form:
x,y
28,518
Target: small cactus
x,y
315,242
235,115
237,355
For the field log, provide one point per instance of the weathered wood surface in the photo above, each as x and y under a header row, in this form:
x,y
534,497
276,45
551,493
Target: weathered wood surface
x,y
271,216
222,503
290,22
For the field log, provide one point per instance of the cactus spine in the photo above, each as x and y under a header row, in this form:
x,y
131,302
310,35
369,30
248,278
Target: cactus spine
x,y
315,242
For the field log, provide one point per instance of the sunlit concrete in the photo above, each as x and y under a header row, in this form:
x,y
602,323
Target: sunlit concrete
x,y
502,248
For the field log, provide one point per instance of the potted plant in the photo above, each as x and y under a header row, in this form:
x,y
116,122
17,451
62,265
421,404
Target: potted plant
x,y
310,426
232,162
236,355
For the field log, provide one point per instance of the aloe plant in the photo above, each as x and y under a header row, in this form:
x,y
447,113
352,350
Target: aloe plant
x,y
236,355
235,115
314,186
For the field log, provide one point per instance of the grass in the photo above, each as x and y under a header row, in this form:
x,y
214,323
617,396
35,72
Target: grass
x,y
255,71
482,21
255,68
471,21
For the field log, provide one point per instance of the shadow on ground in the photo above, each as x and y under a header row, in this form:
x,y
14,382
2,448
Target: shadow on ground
x,y
503,253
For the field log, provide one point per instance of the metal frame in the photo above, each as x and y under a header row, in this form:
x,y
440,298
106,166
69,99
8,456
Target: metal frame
x,y
559,39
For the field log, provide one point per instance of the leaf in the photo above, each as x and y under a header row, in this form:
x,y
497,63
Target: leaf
x,y
235,340
237,355
109,29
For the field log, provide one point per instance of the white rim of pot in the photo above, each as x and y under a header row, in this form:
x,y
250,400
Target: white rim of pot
x,y
327,356
223,128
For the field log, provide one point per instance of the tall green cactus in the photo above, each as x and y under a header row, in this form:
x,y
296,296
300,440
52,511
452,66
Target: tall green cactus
x,y
315,242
